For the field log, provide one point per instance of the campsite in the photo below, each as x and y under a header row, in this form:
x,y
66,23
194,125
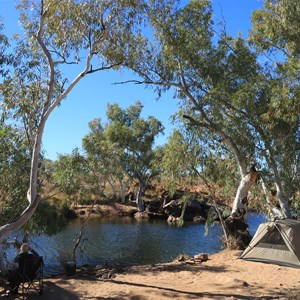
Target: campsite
x,y
223,276
138,138
270,271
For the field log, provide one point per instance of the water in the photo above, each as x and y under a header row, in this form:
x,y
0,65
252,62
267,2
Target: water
x,y
128,242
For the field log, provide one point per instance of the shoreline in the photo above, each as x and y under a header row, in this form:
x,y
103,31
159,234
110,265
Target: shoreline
x,y
222,276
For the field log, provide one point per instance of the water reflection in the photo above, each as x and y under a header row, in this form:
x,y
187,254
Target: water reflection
x,y
125,241
128,242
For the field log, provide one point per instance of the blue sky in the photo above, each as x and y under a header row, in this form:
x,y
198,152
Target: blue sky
x,y
68,124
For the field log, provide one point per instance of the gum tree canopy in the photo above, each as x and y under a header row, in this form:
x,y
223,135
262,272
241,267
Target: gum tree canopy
x,y
60,33
124,145
228,92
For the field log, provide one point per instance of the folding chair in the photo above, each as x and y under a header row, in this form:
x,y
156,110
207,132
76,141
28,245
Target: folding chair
x,y
32,277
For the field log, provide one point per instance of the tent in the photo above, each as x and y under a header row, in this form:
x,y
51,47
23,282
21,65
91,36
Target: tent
x,y
276,242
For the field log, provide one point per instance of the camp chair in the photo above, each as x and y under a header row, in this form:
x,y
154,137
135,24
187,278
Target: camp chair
x,y
32,276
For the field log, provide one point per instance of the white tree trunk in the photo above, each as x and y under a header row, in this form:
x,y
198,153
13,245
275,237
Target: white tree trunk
x,y
139,201
123,190
240,203
236,225
32,194
274,212
115,193
283,201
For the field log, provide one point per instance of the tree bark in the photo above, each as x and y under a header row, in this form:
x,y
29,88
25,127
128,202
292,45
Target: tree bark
x,y
236,224
274,212
139,201
123,189
32,194
283,201
114,189
240,203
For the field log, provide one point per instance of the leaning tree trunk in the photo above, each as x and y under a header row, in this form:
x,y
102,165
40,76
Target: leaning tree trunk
x,y
283,201
32,194
236,225
113,187
273,211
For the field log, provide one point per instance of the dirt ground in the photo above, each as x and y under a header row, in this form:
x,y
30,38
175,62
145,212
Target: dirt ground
x,y
223,276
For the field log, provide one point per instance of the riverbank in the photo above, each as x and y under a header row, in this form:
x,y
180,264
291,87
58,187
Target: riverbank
x,y
110,209
223,276
196,211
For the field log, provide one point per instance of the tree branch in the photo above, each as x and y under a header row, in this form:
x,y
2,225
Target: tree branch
x,y
225,139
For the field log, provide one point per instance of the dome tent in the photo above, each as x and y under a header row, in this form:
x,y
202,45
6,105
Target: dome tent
x,y
276,242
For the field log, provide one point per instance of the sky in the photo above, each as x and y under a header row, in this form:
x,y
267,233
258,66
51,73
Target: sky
x,y
68,123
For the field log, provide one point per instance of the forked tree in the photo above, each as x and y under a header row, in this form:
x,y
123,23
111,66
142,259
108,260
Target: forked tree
x,y
59,35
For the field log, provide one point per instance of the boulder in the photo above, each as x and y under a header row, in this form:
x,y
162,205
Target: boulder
x,y
141,215
173,219
201,257
199,220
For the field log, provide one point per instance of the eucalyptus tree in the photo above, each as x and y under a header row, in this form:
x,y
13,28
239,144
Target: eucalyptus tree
x,y
125,145
5,58
105,159
275,28
70,173
222,86
276,36
57,34
135,136
183,157
208,75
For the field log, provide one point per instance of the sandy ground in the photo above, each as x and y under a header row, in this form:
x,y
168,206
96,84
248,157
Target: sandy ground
x,y
223,276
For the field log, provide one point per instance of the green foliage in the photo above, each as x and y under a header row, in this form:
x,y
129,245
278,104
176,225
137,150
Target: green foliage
x,y
5,58
242,108
71,174
222,172
14,175
14,181
274,26
48,219
102,156
182,158
296,205
211,220
274,32
72,27
124,146
184,201
60,33
25,90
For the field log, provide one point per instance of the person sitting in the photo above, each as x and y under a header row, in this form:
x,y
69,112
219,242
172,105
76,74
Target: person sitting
x,y
15,276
